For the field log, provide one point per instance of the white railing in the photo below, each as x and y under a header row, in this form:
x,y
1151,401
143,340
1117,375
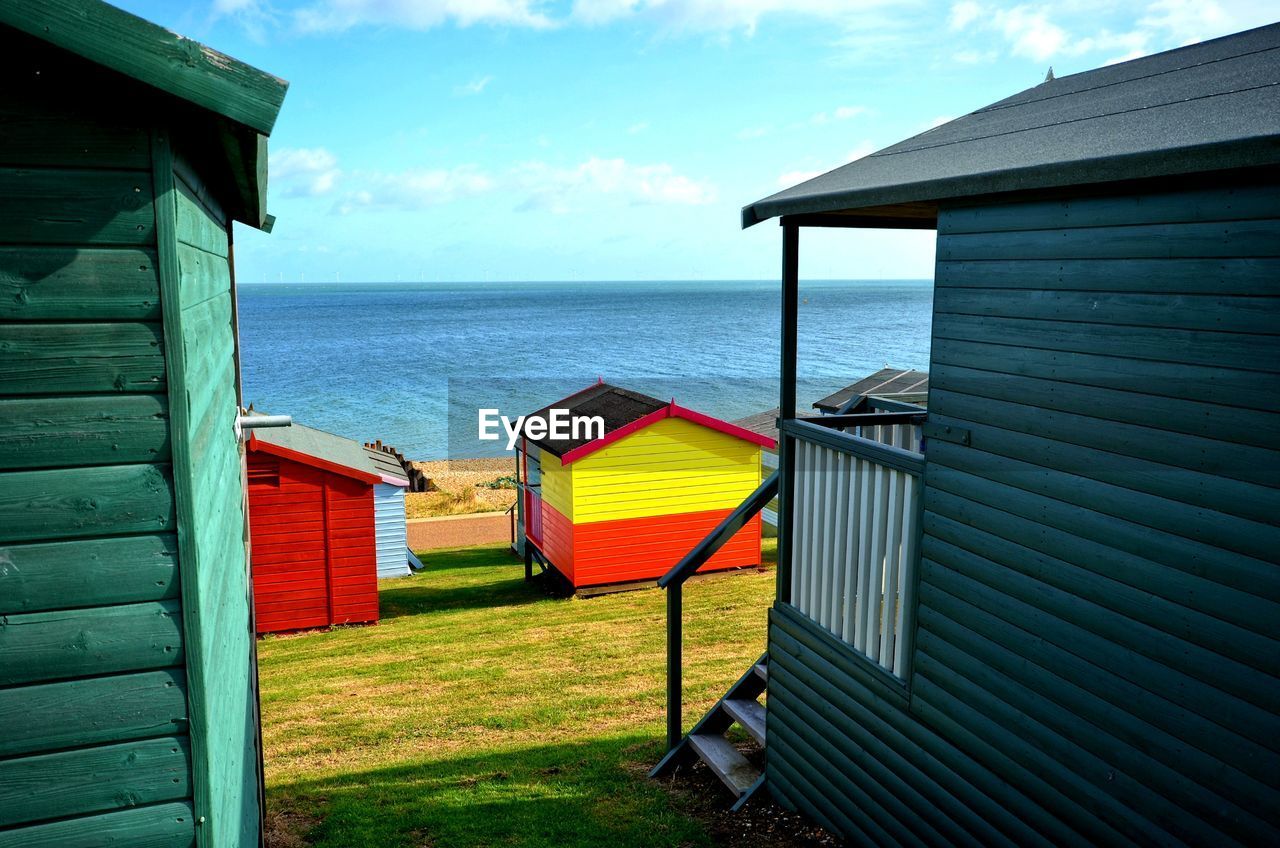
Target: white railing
x,y
854,534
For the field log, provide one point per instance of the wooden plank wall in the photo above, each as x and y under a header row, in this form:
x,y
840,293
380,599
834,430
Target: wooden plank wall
x,y
389,528
93,691
314,547
197,284
1098,639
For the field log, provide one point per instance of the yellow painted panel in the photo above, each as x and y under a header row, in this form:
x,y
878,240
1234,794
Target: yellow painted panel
x,y
557,484
671,466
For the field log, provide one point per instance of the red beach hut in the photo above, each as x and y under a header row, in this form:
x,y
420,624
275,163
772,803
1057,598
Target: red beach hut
x,y
311,524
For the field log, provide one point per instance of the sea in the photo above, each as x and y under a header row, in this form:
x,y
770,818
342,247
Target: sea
x,y
412,364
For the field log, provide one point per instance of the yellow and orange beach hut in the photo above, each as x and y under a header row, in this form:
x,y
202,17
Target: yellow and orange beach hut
x,y
626,505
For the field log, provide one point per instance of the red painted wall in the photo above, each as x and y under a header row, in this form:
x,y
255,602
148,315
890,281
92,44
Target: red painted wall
x,y
557,540
312,547
631,549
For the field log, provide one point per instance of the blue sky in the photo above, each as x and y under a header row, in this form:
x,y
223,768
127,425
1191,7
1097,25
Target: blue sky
x,y
617,139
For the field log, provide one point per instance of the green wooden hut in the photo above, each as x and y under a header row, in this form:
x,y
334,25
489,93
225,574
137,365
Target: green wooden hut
x,y
128,707
1059,622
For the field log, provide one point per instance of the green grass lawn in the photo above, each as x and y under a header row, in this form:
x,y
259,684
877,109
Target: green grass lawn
x,y
480,712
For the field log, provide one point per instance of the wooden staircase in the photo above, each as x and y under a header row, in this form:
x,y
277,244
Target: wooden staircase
x,y
706,741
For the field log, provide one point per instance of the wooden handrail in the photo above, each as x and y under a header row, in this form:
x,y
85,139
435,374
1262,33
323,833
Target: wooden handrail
x,y
724,531
673,581
869,419
888,455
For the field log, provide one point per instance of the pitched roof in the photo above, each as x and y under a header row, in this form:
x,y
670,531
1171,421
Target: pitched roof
x,y
320,449
618,407
624,412
886,382
240,101
386,464
1205,107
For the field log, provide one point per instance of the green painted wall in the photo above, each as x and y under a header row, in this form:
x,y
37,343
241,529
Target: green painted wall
x,y
1097,649
126,700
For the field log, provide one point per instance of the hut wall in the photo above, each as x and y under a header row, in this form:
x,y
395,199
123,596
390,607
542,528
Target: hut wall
x,y
556,493
671,466
390,531
198,301
93,678
313,546
640,504
123,716
1097,643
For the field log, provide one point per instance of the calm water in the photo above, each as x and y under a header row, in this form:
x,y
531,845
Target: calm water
x,y
411,363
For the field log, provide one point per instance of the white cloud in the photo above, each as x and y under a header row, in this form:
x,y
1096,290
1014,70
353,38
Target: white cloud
x,y
1029,31
253,16
637,128
536,185
720,15
749,133
303,171
1186,21
963,14
476,86
564,189
340,15
414,189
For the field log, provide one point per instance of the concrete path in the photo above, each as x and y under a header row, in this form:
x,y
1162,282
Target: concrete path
x,y
455,531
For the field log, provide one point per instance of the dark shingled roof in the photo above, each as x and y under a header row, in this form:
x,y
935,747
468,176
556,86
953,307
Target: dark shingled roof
x,y
618,407
887,381
1205,107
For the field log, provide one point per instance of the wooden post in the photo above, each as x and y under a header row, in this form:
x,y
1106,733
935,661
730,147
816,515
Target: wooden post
x,y
787,400
675,707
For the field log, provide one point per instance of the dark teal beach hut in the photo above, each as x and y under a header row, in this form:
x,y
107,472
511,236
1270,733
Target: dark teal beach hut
x,y
1058,623
128,710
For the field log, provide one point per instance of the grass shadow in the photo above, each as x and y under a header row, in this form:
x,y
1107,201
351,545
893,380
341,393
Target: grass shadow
x,y
585,793
458,579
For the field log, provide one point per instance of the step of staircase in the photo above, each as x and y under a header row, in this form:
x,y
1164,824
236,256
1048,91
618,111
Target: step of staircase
x,y
725,761
748,713
761,671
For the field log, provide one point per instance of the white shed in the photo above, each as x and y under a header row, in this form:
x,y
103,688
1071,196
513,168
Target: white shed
x,y
388,514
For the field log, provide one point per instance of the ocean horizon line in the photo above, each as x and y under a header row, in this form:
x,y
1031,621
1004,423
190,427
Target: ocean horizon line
x,y
761,280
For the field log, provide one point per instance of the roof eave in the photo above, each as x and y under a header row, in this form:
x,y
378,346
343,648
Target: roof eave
x,y
245,151
259,445
154,56
873,207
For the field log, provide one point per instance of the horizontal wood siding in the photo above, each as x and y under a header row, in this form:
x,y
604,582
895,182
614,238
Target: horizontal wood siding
x,y
646,548
671,466
553,481
558,540
313,546
389,528
1099,606
93,695
199,312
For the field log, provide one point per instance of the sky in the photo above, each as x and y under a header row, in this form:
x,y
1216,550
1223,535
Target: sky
x,y
481,140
